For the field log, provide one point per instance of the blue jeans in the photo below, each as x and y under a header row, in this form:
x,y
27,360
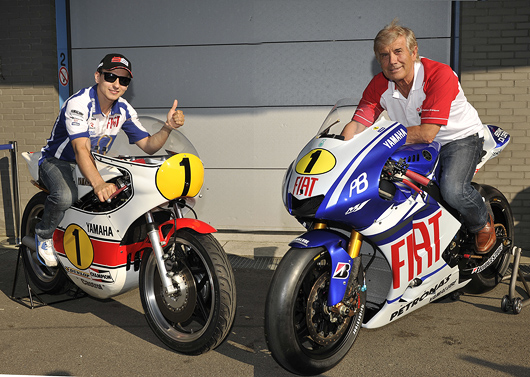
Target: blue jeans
x,y
58,177
458,161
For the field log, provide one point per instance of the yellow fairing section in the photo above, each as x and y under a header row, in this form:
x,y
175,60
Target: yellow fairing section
x,y
317,161
181,175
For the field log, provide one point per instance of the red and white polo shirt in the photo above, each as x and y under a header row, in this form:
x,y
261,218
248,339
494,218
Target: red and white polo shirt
x,y
436,97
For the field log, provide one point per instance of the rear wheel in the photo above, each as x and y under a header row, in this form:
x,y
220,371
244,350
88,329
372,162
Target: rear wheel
x,y
487,272
51,280
198,317
304,335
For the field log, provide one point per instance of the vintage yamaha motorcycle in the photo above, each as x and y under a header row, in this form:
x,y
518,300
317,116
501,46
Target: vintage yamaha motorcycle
x,y
140,237
380,241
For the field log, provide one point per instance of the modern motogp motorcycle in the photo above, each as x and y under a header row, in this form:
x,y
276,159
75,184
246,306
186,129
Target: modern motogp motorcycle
x,y
380,241
140,237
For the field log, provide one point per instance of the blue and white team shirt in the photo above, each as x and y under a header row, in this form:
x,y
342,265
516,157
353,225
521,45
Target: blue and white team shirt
x,y
81,116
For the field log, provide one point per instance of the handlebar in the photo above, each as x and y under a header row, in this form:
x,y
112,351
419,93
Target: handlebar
x,y
116,193
422,180
395,170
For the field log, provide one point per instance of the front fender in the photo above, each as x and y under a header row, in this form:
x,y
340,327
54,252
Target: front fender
x,y
197,225
341,263
194,224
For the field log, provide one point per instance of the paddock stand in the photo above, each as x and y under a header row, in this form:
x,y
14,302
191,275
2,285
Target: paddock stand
x,y
35,300
510,301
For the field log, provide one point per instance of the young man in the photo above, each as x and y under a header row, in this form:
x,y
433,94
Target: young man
x,y
89,121
426,97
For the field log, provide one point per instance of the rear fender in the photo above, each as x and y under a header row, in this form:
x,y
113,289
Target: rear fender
x,y
341,263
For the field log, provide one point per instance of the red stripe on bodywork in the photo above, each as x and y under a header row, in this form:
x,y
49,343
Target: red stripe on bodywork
x,y
112,254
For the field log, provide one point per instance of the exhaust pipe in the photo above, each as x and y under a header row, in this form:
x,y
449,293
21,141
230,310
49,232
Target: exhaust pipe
x,y
29,242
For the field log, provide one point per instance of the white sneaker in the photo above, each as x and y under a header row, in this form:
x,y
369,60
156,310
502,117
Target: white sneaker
x,y
45,251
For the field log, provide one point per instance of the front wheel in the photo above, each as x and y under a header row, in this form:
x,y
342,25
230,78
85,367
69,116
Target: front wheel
x,y
198,317
304,335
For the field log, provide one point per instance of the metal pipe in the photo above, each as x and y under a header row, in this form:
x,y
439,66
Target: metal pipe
x,y
16,192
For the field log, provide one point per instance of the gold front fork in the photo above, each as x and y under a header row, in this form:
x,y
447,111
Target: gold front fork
x,y
356,240
319,226
354,247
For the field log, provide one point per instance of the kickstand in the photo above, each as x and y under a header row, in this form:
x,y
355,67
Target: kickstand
x,y
32,295
510,301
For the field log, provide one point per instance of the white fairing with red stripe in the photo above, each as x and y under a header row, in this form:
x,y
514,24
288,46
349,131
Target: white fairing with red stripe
x,y
111,270
90,240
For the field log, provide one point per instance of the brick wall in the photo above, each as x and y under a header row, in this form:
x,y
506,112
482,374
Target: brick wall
x,y
495,75
28,90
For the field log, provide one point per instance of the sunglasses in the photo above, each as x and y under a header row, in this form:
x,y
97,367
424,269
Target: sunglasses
x,y
111,77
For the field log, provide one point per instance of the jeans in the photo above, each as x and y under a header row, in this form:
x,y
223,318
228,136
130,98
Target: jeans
x,y
58,177
458,161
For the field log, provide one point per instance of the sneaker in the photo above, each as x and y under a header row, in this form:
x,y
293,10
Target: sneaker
x,y
45,251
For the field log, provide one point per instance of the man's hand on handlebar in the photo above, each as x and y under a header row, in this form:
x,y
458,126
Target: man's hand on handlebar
x,y
104,190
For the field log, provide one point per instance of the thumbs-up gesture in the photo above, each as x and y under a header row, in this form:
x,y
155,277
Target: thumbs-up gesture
x,y
175,118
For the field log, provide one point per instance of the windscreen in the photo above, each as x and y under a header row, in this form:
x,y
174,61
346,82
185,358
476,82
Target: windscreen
x,y
176,142
339,116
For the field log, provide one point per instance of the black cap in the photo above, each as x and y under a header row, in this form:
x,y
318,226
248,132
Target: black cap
x,y
114,61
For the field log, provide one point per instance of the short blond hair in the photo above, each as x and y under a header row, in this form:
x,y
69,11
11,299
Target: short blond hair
x,y
390,33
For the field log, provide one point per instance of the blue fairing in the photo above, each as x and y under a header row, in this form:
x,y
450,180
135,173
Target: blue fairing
x,y
335,243
362,184
421,158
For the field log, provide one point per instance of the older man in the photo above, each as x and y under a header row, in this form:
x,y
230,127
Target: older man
x,y
426,97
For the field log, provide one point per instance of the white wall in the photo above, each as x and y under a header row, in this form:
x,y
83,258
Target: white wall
x,y
254,78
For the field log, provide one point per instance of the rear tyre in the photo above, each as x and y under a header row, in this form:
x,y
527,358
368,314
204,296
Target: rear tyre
x,y
302,334
491,275
198,317
52,280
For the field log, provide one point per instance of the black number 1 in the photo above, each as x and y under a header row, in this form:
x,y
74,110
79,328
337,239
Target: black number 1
x,y
314,158
75,233
187,175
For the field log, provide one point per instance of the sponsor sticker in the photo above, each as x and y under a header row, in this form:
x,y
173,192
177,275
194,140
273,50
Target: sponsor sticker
x,y
342,271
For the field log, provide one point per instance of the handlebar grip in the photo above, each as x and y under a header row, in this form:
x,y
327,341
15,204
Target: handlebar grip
x,y
412,186
418,178
116,193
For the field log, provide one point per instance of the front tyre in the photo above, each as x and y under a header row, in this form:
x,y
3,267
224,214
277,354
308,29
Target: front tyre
x,y
303,334
198,317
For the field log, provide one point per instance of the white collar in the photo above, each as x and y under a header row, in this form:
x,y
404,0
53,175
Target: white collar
x,y
417,82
